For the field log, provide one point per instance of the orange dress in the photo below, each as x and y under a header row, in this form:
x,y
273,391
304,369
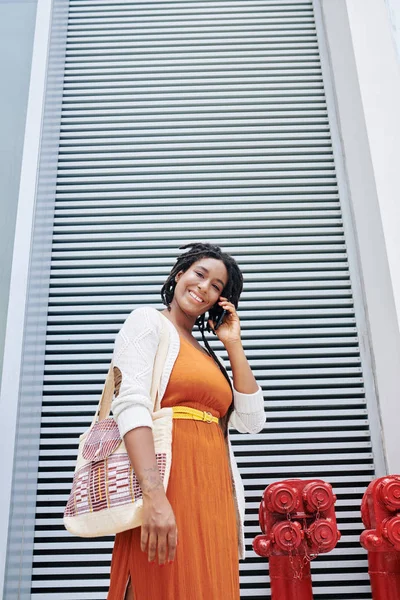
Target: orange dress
x,y
200,492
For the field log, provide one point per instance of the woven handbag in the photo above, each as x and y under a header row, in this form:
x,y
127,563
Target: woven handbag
x,y
106,497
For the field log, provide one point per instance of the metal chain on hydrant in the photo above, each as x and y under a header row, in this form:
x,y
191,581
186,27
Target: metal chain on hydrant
x,y
294,555
308,557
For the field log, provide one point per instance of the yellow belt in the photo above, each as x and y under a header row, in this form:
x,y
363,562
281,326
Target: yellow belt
x,y
185,412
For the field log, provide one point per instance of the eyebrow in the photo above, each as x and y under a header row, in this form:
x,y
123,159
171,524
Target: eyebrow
x,y
207,271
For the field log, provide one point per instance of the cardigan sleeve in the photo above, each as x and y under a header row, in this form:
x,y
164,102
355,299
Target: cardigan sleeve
x,y
248,415
134,354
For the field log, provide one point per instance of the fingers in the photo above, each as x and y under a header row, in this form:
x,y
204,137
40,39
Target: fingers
x,y
144,538
228,307
166,543
172,542
159,543
226,304
162,548
158,531
152,546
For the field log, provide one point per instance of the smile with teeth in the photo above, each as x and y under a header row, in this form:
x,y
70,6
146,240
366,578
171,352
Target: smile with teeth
x,y
197,298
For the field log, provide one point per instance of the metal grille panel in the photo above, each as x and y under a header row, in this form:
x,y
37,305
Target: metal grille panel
x,y
207,121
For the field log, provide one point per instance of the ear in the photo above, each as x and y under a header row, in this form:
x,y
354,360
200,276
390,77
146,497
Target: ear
x,y
178,276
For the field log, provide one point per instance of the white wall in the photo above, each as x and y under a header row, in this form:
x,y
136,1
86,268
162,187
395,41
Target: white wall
x,y
366,81
379,80
17,25
378,70
394,15
16,331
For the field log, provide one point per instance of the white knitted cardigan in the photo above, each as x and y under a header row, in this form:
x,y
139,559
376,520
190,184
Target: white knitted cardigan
x,y
134,353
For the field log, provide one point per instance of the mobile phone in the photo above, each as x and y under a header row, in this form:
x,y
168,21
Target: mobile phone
x,y
217,315
220,320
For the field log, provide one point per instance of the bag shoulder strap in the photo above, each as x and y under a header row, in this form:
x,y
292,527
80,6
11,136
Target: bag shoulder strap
x,y
104,406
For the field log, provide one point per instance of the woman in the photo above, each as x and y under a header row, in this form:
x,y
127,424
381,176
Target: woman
x,y
192,535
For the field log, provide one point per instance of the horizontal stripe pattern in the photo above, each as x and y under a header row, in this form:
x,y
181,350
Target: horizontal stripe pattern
x,y
203,120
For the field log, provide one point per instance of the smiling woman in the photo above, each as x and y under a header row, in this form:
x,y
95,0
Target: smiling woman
x,y
201,284
203,505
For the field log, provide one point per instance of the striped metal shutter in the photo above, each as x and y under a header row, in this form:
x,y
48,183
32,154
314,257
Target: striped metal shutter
x,y
203,120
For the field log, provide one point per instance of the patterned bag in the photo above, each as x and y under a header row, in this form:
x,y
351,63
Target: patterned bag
x,y
106,497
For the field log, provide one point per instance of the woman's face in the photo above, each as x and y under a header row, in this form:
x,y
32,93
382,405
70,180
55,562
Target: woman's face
x,y
200,287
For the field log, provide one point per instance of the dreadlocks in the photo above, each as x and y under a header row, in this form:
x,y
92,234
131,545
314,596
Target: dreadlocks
x,y
232,291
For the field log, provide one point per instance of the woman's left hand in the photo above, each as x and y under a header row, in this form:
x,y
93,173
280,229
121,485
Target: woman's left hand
x,y
229,331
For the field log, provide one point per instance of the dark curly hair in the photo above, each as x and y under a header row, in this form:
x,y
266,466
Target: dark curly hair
x,y
232,290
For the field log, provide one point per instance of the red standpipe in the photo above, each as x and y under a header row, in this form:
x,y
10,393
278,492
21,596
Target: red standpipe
x,y
297,518
380,512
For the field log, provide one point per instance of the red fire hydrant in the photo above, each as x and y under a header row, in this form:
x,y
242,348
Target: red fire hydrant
x,y
298,521
380,512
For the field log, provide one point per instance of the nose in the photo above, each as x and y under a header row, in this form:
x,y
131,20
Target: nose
x,y
201,285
